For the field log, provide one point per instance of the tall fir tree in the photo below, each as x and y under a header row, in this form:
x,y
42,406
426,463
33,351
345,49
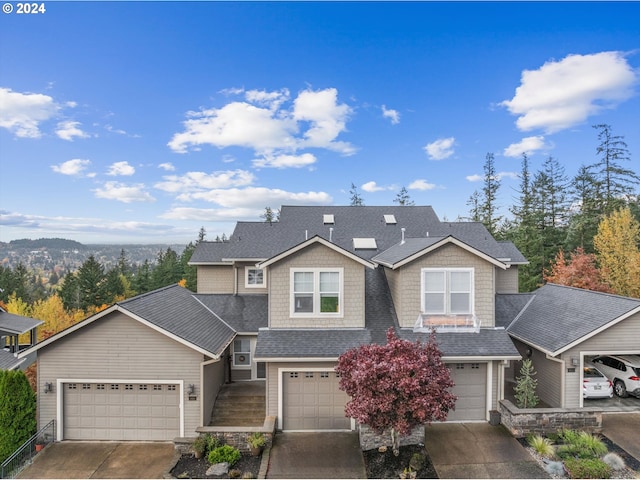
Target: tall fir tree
x,y
356,198
488,207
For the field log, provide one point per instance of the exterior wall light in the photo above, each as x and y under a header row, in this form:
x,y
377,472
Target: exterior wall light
x,y
48,387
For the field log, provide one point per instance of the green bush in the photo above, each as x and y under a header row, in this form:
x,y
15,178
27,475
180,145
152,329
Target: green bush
x,y
17,411
224,453
587,468
580,445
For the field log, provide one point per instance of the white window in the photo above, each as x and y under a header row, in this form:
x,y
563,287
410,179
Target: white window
x,y
242,352
316,291
254,277
447,291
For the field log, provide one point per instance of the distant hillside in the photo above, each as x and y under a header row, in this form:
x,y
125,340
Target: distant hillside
x,y
55,243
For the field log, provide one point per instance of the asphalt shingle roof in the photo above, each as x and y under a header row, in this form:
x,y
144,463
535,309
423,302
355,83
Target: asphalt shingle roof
x,y
176,310
509,305
15,324
559,316
244,313
8,360
488,342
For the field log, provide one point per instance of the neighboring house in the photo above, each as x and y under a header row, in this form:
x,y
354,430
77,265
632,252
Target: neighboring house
x,y
12,327
560,328
281,301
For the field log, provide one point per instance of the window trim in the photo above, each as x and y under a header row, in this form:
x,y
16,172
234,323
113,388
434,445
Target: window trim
x,y
254,285
447,290
316,292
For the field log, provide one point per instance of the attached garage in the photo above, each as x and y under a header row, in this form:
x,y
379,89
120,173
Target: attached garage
x,y
471,388
120,411
313,401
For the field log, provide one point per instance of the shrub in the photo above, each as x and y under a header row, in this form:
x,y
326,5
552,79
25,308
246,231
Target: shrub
x,y
555,469
614,461
587,468
526,385
224,454
581,445
17,411
212,442
542,445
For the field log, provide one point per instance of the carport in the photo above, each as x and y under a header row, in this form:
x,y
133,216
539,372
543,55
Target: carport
x,y
561,328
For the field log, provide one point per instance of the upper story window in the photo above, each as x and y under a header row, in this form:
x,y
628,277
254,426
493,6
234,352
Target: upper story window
x,y
447,291
316,291
254,277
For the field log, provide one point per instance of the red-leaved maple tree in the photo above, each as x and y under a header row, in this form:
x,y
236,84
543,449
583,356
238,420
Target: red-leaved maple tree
x,y
579,271
397,386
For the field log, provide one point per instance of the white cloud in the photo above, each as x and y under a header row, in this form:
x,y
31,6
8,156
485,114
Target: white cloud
x,y
22,113
564,93
440,149
512,175
213,214
391,114
194,182
167,166
374,187
421,184
121,169
68,129
74,167
124,193
474,178
258,197
271,130
527,145
285,161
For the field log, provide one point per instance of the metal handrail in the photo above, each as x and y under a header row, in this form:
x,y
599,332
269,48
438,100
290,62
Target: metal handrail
x,y
13,465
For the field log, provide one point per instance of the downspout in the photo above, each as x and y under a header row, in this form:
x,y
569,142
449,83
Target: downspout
x,y
562,376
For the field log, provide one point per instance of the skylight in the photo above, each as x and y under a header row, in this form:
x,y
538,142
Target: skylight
x,y
390,219
364,243
327,218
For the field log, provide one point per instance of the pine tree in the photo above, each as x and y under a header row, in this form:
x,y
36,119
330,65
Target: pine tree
x,y
488,207
526,386
403,198
356,199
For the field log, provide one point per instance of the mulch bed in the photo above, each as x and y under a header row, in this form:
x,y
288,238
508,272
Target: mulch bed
x,y
387,465
191,467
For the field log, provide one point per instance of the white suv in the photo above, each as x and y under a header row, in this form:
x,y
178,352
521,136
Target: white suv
x,y
623,371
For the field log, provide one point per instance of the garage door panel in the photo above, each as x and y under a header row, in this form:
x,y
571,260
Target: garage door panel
x,y
471,389
320,406
121,412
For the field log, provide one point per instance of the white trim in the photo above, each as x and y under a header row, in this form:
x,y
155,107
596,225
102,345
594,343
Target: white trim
x,y
254,285
472,359
281,371
295,359
489,399
313,240
60,396
316,313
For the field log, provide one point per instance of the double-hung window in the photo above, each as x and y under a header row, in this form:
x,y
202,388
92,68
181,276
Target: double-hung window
x,y
316,291
241,352
254,277
447,291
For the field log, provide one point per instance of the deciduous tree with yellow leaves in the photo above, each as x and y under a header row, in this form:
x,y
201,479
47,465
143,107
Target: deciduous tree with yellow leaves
x,y
616,245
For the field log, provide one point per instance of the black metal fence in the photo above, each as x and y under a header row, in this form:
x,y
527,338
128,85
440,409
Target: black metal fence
x,y
29,449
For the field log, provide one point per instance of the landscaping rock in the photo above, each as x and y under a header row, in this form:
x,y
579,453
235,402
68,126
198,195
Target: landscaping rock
x,y
218,469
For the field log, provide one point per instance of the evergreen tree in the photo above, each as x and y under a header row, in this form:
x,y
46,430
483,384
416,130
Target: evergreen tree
x,y
268,215
474,203
617,182
17,411
488,207
526,386
168,269
356,199
403,198
142,279
86,289
587,207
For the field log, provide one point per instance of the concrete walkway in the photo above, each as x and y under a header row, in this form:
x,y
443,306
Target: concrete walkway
x,y
478,450
102,460
623,429
316,455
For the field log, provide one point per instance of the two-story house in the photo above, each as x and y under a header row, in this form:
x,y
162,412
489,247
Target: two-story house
x,y
279,302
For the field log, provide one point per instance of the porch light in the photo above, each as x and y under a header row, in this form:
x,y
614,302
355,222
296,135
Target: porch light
x,y
48,387
192,389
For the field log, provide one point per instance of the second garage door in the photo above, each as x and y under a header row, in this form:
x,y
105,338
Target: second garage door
x,y
121,411
313,401
471,389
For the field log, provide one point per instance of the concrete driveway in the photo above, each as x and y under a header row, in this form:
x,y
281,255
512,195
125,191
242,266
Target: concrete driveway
x,y
478,450
316,455
622,429
102,460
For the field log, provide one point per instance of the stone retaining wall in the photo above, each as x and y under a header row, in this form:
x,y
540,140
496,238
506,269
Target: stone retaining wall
x,y
370,440
523,421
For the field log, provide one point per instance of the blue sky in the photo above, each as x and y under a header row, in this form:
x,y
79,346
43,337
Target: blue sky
x,y
127,122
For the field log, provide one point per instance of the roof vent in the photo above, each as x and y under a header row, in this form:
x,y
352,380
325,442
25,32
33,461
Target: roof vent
x,y
402,230
364,243
328,219
390,219
331,235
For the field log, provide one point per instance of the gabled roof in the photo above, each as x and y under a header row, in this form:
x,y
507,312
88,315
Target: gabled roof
x,y
8,360
11,324
509,306
559,317
413,248
312,241
172,311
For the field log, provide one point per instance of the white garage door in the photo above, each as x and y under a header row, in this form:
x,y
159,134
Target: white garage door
x,y
121,411
313,401
471,389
